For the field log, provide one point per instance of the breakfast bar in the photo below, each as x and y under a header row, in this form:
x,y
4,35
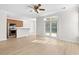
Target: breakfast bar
x,y
22,31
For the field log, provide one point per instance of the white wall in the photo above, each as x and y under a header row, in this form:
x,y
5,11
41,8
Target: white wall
x,y
3,26
30,23
40,26
67,25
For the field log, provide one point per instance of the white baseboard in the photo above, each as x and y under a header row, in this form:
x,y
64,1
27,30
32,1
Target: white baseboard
x,y
3,39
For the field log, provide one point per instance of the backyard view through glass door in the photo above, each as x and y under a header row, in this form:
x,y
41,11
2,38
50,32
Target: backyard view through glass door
x,y
51,26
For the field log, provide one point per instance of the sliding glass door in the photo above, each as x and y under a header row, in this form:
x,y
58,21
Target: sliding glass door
x,y
51,26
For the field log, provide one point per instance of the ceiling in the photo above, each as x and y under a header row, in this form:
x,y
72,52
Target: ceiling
x,y
24,10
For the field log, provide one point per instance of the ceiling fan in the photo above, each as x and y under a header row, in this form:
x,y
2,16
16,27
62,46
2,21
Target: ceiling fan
x,y
37,7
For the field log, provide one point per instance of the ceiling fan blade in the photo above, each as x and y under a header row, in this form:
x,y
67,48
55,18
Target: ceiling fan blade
x,y
39,5
36,7
36,10
42,9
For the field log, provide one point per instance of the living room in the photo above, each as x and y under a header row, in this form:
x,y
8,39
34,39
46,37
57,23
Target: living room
x,y
39,29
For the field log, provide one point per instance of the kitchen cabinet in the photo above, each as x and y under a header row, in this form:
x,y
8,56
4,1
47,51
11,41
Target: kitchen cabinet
x,y
18,23
11,27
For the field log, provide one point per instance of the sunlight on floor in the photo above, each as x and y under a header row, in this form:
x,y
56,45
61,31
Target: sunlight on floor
x,y
52,34
54,42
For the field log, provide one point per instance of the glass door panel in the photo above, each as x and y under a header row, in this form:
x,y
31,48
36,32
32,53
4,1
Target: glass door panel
x,y
51,26
53,29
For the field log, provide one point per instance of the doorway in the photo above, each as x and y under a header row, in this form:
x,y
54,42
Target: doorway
x,y
51,26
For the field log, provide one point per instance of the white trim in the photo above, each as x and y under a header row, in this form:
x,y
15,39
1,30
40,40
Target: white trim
x,y
49,34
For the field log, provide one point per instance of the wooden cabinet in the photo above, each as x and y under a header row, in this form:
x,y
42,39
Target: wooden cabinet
x,y
17,22
11,27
